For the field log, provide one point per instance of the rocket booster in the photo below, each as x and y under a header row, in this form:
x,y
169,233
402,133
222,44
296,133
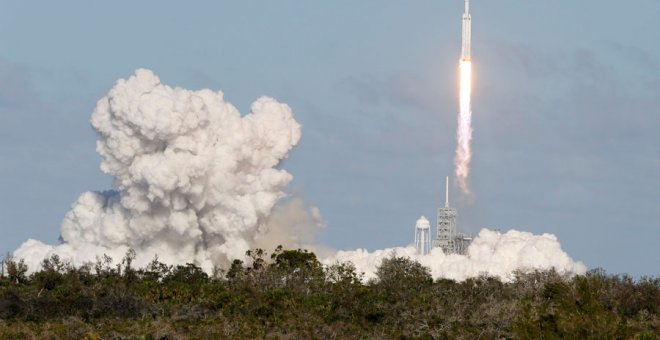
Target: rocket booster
x,y
467,32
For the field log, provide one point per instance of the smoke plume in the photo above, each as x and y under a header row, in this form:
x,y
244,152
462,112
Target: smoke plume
x,y
491,253
195,181
464,132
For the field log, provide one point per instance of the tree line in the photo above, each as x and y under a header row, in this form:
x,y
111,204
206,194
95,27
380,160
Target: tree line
x,y
290,294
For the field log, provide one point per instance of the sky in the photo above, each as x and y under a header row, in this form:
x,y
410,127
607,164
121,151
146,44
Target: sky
x,y
566,110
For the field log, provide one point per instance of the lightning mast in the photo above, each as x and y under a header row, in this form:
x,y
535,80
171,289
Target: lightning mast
x,y
447,192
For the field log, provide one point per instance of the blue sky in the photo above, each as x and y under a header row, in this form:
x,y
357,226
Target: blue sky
x,y
566,109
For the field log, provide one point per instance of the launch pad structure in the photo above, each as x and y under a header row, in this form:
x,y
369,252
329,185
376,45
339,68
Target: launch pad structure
x,y
447,236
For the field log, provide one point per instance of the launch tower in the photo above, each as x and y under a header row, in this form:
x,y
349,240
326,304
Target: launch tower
x,y
447,237
446,228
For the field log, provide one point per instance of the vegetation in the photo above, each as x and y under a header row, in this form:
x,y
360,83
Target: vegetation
x,y
289,294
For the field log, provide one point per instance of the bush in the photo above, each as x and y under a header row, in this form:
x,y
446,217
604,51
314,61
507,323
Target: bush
x,y
290,294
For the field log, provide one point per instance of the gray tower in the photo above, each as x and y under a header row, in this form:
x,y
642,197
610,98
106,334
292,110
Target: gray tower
x,y
446,229
447,238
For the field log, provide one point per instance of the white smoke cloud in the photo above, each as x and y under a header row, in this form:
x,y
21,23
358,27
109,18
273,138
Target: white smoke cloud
x,y
491,253
195,181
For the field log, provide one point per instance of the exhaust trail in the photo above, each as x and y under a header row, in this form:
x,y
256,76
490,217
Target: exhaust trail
x,y
464,132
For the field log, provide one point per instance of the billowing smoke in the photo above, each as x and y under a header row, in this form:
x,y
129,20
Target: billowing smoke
x,y
464,132
491,253
195,181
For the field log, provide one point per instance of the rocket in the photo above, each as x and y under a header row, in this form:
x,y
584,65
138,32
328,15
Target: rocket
x,y
467,32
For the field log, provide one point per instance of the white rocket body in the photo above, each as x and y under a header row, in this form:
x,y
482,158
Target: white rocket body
x,y
467,32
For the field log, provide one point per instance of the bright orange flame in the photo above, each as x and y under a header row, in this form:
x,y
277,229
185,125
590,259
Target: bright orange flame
x,y
464,133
